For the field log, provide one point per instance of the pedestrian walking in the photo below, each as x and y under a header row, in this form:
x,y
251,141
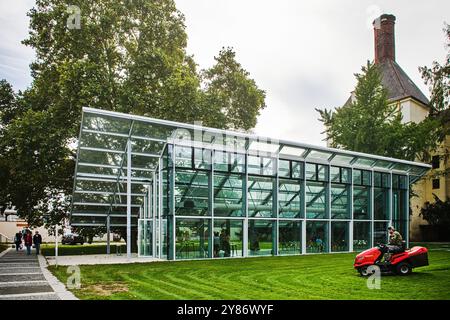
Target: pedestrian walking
x,y
28,241
37,240
18,240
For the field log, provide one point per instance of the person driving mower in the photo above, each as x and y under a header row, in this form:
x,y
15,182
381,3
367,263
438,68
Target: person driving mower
x,y
395,244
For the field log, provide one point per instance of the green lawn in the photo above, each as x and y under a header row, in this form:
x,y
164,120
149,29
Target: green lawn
x,y
69,250
328,276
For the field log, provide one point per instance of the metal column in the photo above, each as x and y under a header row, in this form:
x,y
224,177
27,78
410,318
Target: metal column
x,y
129,199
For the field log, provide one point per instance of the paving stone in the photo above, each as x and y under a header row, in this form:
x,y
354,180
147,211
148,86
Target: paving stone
x,y
26,289
32,297
22,277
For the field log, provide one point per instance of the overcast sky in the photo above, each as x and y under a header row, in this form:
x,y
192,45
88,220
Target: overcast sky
x,y
302,53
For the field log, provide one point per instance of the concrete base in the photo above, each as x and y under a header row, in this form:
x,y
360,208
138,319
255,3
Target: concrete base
x,y
95,259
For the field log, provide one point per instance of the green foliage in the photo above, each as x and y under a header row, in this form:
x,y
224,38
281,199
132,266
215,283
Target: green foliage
x,y
437,213
438,79
128,56
370,124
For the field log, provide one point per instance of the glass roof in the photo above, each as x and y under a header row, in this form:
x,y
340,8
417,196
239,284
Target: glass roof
x,y
102,155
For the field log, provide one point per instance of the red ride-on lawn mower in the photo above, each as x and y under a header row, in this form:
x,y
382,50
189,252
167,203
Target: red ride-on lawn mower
x,y
401,262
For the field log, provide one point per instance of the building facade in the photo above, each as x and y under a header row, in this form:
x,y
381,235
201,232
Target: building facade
x,y
192,192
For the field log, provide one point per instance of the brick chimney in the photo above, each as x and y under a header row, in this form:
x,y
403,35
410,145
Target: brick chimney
x,y
384,30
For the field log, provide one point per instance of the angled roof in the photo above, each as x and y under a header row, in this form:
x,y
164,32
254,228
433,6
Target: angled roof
x,y
398,84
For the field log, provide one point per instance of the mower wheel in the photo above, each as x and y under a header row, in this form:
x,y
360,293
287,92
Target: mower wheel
x,y
403,269
363,271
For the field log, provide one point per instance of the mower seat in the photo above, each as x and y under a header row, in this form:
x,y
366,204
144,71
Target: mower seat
x,y
401,249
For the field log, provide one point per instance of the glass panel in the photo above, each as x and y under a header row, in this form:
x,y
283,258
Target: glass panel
x,y
284,168
290,237
289,197
381,204
340,202
335,174
220,160
345,175
268,166
183,157
228,191
292,151
361,203
191,193
380,232
311,173
339,236
297,169
202,158
357,177
260,237
314,154
315,200
316,236
364,162
192,238
254,165
366,178
400,211
342,159
146,237
361,235
106,123
228,236
237,162
321,172
260,196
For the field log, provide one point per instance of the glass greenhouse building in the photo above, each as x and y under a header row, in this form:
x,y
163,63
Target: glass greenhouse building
x,y
191,192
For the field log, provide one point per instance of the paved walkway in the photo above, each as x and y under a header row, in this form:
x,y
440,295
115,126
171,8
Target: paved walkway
x,y
98,259
21,278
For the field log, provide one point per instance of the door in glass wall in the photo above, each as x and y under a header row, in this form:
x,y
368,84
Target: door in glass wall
x,y
316,236
260,237
227,237
361,235
380,232
192,238
339,236
289,235
145,232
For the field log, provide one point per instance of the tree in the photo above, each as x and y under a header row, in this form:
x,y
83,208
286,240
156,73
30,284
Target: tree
x,y
437,213
233,97
371,125
127,56
438,79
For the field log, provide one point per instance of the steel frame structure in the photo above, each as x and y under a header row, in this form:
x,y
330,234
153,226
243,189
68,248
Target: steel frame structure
x,y
120,166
